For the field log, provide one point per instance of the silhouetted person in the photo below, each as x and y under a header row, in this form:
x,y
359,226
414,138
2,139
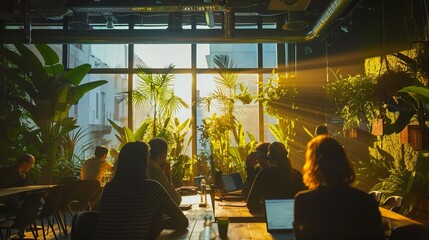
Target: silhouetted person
x,y
331,208
158,162
95,168
132,205
14,175
279,180
255,161
321,130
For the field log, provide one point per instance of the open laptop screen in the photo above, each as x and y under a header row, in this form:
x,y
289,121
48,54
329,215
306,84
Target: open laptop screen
x,y
279,214
232,182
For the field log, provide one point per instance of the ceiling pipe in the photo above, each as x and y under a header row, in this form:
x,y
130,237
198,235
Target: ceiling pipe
x,y
328,17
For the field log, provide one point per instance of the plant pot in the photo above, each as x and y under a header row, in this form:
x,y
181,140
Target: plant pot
x,y
352,133
418,137
377,127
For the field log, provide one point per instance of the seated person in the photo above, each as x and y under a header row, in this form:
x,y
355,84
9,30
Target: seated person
x,y
255,161
279,180
321,130
14,175
331,208
158,160
132,205
96,167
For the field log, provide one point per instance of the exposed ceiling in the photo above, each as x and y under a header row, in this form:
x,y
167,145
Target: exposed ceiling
x,y
171,21
367,23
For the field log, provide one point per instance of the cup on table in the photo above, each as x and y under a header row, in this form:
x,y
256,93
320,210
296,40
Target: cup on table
x,y
222,225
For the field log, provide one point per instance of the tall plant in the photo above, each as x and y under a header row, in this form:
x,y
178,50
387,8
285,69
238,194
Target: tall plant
x,y
50,92
156,92
278,98
216,130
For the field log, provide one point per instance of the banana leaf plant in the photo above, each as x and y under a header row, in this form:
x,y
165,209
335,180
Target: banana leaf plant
x,y
240,152
125,135
50,92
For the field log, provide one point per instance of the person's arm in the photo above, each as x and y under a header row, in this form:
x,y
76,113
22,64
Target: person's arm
x,y
162,178
176,220
255,194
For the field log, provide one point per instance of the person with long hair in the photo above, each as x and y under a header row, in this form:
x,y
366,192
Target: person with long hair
x,y
331,208
132,205
279,180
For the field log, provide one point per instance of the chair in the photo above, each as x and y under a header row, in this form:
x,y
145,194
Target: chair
x,y
49,210
80,193
73,189
393,203
408,232
25,217
83,225
377,196
91,190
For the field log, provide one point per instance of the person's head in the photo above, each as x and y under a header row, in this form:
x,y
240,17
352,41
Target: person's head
x,y
158,150
321,130
262,150
25,163
132,163
326,163
278,156
101,152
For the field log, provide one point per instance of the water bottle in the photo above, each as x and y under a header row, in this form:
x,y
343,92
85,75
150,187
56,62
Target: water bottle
x,y
203,191
208,232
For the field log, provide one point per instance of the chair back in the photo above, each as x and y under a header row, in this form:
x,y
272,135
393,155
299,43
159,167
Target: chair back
x,y
376,195
83,225
408,232
89,190
393,203
52,201
27,213
73,189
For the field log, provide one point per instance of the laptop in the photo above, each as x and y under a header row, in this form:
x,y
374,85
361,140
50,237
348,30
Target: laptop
x,y
279,218
232,186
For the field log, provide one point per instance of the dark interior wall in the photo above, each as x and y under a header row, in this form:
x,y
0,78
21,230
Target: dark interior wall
x,y
372,29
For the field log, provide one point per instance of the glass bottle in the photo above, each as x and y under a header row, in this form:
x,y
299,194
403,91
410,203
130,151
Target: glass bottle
x,y
208,233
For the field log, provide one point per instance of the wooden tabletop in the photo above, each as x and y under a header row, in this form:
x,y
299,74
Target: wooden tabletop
x,y
6,193
243,224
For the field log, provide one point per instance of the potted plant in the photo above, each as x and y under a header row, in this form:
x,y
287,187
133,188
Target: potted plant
x,y
50,91
354,98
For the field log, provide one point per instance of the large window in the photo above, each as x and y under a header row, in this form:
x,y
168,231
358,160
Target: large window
x,y
191,84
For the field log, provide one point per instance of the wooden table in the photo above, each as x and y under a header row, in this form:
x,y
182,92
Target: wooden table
x,y
396,219
7,193
243,224
237,213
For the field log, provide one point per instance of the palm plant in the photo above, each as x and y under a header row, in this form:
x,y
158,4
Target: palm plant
x,y
49,93
216,130
156,92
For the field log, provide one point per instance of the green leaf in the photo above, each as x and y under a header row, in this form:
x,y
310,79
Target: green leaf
x,y
54,70
49,56
419,93
78,92
31,64
75,75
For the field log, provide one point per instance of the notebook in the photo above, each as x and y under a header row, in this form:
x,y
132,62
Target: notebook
x,y
279,218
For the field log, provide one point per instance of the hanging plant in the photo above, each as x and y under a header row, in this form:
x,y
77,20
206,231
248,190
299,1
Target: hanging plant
x,y
354,97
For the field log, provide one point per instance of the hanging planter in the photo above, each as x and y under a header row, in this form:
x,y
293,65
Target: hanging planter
x,y
377,127
418,137
352,133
